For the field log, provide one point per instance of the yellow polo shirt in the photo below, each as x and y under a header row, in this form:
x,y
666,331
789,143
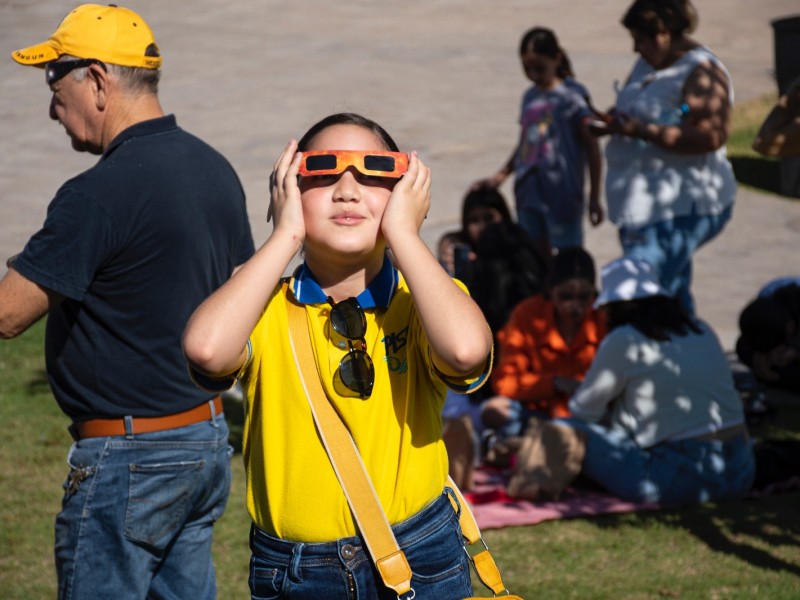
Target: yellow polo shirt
x,y
292,490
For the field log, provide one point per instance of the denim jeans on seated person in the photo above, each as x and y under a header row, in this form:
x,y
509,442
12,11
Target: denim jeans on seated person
x,y
137,521
669,247
431,541
518,416
674,473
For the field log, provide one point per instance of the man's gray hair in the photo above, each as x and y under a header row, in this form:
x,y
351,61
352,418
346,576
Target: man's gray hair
x,y
133,80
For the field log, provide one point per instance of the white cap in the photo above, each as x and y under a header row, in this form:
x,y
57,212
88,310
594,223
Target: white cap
x,y
628,278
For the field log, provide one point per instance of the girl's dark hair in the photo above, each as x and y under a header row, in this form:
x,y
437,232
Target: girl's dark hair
x,y
564,68
508,269
657,317
541,40
658,16
571,263
483,197
347,119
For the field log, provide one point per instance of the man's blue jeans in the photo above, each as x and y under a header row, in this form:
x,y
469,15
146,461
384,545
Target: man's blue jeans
x,y
138,513
343,569
669,246
674,473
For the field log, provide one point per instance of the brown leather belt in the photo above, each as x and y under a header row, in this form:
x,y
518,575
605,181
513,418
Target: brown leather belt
x,y
109,427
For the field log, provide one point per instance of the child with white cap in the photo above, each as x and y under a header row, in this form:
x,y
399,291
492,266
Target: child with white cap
x,y
663,420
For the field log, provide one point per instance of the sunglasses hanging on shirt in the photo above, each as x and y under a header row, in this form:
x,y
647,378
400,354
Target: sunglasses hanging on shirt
x,y
356,371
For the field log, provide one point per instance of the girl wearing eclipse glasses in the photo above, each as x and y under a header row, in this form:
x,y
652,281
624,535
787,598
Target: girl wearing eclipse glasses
x,y
387,342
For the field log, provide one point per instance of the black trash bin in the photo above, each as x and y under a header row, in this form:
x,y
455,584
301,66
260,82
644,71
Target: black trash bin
x,y
786,32
787,50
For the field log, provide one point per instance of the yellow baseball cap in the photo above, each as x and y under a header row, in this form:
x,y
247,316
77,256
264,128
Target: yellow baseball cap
x,y
112,34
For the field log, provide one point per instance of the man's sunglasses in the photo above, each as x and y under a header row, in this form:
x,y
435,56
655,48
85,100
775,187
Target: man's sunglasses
x,y
356,371
333,162
53,71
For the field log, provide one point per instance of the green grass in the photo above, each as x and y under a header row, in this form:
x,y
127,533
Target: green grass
x,y
33,446
751,168
745,122
748,549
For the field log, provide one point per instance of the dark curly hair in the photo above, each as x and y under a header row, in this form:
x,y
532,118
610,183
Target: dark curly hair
x,y
658,16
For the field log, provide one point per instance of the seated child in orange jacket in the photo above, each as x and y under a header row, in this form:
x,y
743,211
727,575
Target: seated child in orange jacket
x,y
546,346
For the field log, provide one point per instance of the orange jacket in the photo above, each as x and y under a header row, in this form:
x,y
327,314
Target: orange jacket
x,y
531,352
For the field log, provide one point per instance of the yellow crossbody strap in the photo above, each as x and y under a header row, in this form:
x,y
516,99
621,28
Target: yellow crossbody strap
x,y
483,562
346,461
389,559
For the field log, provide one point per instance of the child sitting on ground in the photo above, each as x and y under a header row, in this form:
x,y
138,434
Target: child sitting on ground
x,y
770,335
481,207
662,419
546,347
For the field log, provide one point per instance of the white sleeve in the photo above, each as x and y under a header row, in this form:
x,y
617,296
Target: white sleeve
x,y
606,379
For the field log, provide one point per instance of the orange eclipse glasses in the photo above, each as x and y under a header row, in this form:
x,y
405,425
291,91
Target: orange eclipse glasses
x,y
367,162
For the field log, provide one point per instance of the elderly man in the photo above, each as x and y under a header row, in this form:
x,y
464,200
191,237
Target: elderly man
x,y
128,249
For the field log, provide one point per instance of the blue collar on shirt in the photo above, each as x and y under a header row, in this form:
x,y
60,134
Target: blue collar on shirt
x,y
379,292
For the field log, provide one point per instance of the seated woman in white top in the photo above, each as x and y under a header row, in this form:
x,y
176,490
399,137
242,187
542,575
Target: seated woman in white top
x,y
663,420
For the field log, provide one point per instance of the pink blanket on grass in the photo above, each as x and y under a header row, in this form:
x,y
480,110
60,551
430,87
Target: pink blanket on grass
x,y
493,509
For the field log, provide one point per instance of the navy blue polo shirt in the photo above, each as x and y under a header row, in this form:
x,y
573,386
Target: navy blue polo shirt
x,y
134,245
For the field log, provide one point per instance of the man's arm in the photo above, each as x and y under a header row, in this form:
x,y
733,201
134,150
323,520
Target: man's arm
x,y
22,303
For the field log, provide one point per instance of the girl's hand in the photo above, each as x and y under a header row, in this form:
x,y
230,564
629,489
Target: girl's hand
x,y
597,127
596,214
598,123
284,194
627,126
410,200
495,181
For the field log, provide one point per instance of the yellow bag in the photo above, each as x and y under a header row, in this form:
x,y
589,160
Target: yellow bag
x,y
388,557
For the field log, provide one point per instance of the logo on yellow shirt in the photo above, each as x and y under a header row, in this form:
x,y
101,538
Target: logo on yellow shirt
x,y
394,343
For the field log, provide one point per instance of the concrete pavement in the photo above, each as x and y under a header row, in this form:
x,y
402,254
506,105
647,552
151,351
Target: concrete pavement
x,y
442,76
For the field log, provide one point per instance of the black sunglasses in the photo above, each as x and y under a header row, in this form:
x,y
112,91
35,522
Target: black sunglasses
x,y
356,371
53,71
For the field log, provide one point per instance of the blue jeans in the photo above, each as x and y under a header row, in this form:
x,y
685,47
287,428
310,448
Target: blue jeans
x,y
669,246
675,473
138,513
542,225
431,541
518,417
